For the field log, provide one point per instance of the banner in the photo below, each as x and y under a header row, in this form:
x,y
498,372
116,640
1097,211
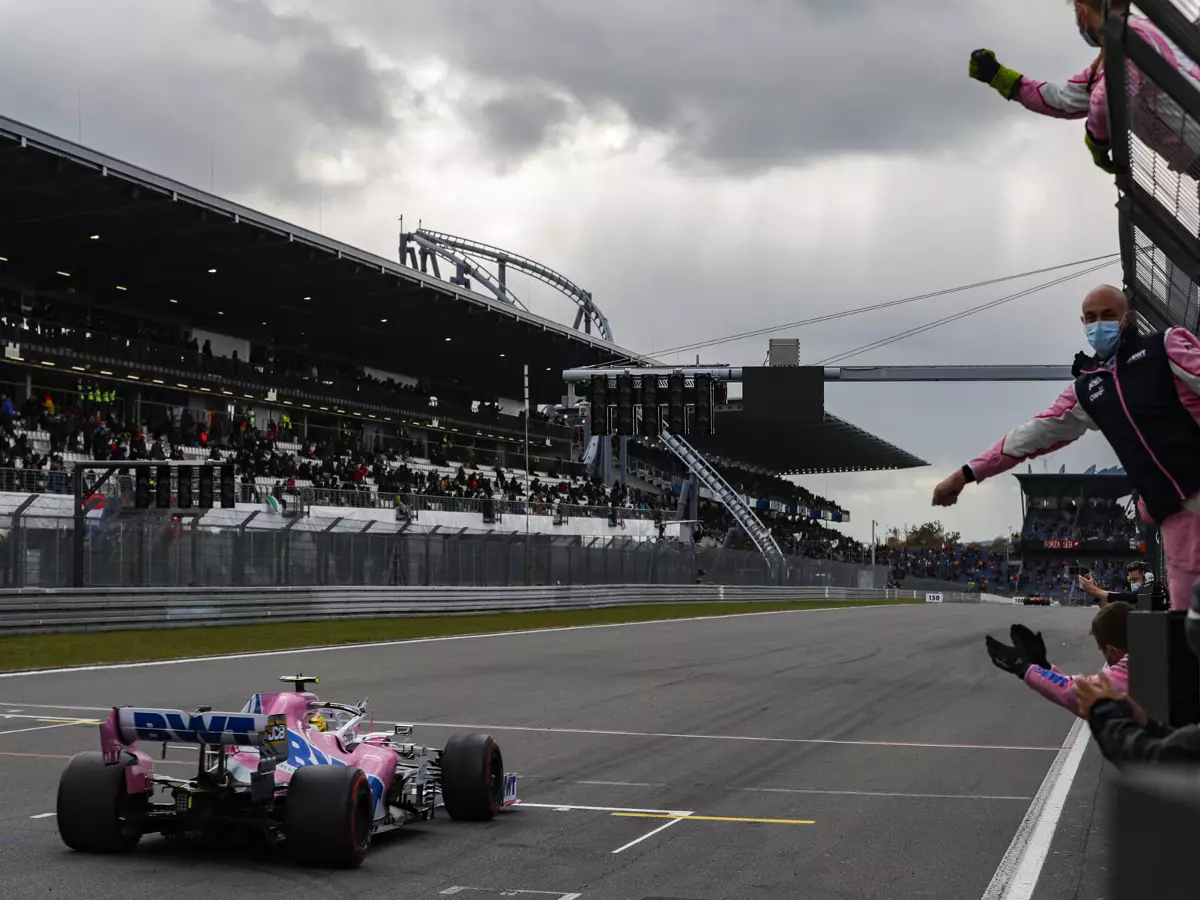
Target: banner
x,y
1060,545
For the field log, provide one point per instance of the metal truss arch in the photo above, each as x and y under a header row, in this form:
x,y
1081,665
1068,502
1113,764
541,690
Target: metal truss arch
x,y
463,252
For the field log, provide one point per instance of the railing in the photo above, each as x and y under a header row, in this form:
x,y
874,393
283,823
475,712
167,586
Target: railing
x,y
105,610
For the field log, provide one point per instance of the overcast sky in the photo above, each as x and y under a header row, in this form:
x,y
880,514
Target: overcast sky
x,y
701,166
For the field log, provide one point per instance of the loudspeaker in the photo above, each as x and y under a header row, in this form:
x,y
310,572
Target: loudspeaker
x,y
141,487
228,486
184,489
600,405
162,487
206,487
650,406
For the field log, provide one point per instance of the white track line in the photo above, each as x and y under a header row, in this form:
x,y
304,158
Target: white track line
x,y
724,737
648,834
43,815
41,727
566,807
881,794
1018,873
450,637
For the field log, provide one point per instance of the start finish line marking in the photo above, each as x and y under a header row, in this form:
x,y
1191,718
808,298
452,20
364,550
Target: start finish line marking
x,y
642,815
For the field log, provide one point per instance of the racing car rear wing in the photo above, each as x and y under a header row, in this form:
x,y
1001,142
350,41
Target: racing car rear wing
x,y
129,724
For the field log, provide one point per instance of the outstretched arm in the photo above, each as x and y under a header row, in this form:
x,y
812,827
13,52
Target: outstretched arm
x,y
1065,421
1066,100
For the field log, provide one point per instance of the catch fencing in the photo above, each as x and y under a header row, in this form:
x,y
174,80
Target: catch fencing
x,y
232,548
99,609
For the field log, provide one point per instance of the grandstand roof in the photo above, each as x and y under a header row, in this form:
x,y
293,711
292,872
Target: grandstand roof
x,y
1113,486
161,240
832,446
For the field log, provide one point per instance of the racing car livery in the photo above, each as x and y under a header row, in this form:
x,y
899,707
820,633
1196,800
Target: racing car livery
x,y
288,765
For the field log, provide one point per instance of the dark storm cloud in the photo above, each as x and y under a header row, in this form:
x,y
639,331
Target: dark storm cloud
x,y
743,86
226,93
518,123
336,81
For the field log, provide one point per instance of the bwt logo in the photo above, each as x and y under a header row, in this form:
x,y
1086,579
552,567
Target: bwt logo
x,y
198,729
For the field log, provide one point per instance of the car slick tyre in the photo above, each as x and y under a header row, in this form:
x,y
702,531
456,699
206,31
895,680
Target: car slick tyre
x,y
329,816
472,777
93,810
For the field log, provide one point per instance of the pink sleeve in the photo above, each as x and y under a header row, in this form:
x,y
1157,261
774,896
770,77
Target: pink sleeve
x,y
1060,688
1054,686
1070,100
1183,350
1064,422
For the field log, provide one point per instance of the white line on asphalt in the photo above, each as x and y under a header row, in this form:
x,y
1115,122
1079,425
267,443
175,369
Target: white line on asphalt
x,y
649,834
626,783
566,807
61,706
881,794
432,640
45,718
726,737
41,727
1021,867
43,815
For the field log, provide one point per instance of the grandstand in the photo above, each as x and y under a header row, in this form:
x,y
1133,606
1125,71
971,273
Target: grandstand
x,y
1076,524
146,320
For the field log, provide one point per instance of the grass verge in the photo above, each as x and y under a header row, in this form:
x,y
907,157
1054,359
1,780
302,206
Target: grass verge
x,y
40,651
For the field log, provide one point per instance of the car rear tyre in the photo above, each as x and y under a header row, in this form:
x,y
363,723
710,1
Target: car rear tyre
x,y
472,777
95,813
329,818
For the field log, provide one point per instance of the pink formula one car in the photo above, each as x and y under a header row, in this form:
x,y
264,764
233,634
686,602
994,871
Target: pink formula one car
x,y
288,766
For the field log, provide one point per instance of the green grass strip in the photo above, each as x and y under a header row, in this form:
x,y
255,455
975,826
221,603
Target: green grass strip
x,y
42,651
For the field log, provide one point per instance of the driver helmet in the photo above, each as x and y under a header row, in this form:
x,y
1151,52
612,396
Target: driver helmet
x,y
318,721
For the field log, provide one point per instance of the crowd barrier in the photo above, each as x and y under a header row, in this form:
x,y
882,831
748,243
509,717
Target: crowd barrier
x,y
101,609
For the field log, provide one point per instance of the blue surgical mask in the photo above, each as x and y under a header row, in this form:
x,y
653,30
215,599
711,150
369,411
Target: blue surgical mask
x,y
1135,587
1103,336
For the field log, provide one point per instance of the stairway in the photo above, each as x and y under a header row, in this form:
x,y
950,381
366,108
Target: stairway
x,y
729,498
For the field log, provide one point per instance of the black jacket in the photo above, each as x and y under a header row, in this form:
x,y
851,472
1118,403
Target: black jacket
x,y
1135,403
1122,740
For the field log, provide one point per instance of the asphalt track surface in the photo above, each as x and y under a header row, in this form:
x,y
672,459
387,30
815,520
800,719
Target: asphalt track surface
x,y
889,757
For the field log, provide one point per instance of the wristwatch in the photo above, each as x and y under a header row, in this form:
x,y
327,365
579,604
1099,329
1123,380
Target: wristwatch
x,y
968,474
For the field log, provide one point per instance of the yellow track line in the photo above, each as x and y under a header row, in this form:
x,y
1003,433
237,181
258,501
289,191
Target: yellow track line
x,y
716,818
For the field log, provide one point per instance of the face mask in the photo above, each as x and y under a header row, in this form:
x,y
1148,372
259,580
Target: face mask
x,y
1135,587
1088,37
1103,337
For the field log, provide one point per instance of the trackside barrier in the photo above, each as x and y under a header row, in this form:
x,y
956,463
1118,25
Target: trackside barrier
x,y
108,609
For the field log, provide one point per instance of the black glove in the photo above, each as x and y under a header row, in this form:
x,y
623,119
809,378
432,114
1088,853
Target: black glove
x,y
1029,645
1007,658
1101,152
984,66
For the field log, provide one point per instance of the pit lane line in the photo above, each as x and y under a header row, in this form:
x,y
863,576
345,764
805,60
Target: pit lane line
x,y
539,729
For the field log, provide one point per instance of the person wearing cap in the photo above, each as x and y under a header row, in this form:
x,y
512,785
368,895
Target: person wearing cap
x,y
1141,579
1144,397
1153,115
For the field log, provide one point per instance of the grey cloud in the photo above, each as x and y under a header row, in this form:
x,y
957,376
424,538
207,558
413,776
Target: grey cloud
x,y
335,80
226,82
746,87
518,123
